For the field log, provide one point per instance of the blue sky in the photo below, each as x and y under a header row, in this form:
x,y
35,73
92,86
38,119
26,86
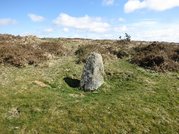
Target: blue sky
x,y
142,19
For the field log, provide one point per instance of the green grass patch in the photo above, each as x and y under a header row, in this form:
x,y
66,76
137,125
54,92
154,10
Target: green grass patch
x,y
132,100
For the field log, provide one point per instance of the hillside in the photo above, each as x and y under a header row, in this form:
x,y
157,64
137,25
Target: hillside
x,y
39,90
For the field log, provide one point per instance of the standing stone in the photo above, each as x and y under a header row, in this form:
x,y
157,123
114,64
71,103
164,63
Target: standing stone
x,y
92,77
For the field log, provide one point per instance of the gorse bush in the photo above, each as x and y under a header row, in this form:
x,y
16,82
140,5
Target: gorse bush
x,y
20,55
157,56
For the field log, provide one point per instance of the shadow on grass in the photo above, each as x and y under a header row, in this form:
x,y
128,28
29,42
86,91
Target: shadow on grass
x,y
74,83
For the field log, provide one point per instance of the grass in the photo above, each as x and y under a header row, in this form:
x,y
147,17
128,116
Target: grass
x,y
132,100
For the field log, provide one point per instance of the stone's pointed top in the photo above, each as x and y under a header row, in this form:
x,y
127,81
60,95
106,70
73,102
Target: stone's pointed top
x,y
92,77
95,53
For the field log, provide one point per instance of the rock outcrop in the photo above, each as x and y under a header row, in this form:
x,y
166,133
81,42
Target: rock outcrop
x,y
92,77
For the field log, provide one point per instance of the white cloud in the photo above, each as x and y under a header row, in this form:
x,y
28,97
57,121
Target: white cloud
x,y
36,18
121,19
133,5
157,5
82,23
146,29
152,30
121,29
48,30
145,23
108,2
65,29
7,21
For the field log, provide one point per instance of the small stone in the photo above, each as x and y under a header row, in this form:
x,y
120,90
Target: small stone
x,y
92,76
13,113
40,83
